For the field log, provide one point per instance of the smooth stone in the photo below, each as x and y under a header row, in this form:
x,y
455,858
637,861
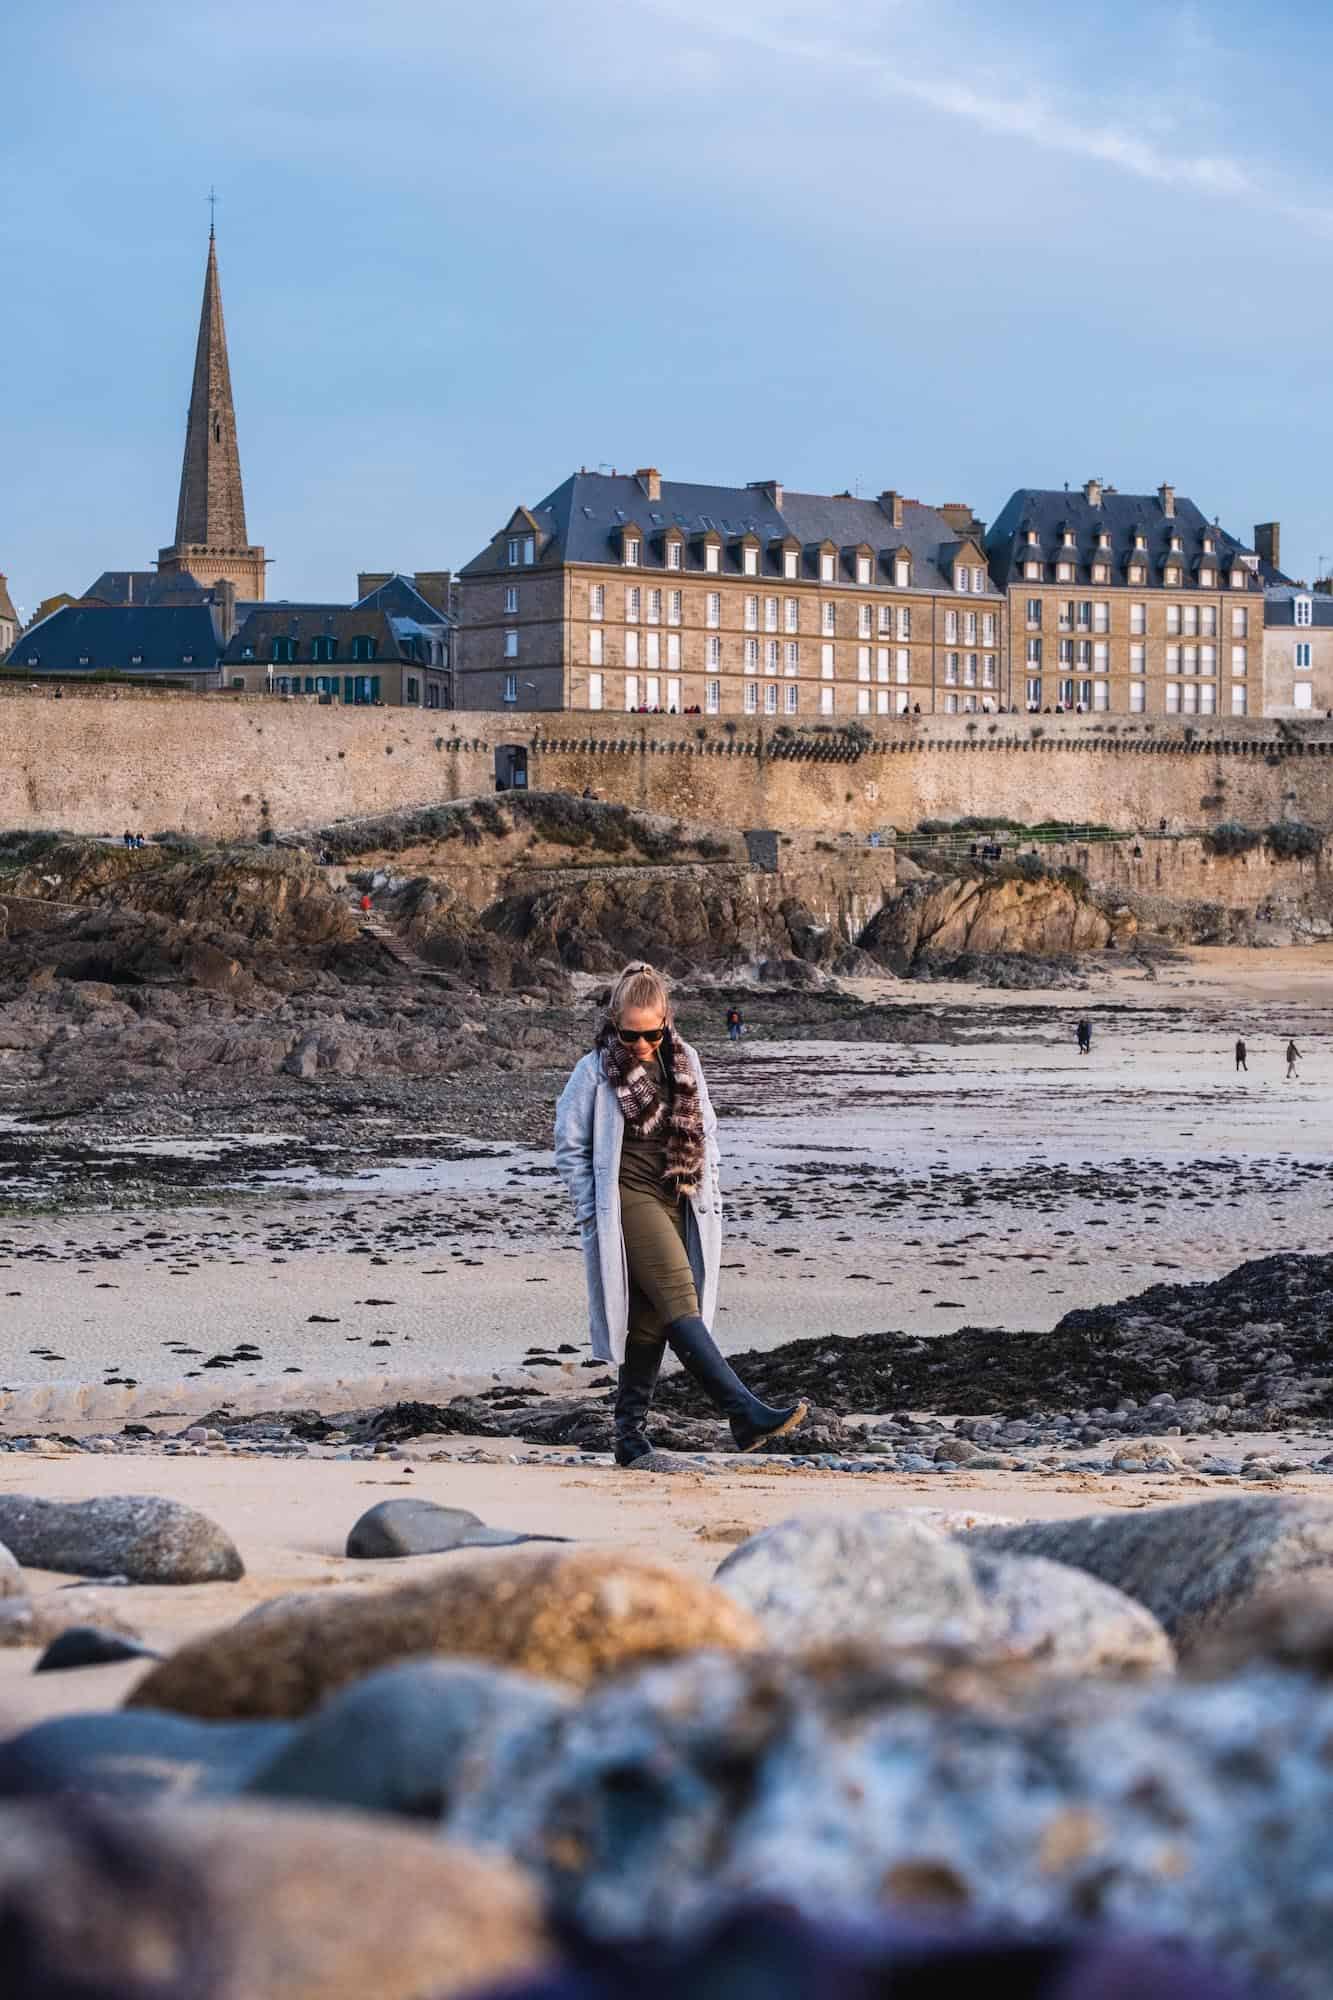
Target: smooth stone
x,y
422,1528
86,1646
570,1617
141,1536
255,1902
136,1754
897,1580
11,1575
1193,1565
396,1741
883,1577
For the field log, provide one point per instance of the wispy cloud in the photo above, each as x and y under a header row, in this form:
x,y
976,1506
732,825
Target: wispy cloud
x,y
1144,149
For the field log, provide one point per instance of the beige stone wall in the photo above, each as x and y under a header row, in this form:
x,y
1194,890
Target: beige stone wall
x,y
99,760
1281,673
1195,611
558,634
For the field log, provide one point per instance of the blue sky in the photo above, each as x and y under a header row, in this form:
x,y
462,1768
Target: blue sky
x,y
928,244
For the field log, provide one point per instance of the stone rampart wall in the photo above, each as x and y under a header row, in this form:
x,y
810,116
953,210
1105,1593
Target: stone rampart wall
x,y
99,760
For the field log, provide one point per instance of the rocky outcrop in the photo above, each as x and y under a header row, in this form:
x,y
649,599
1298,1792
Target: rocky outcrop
x,y
936,918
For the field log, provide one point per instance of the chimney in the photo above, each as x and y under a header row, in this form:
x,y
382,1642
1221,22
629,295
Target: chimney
x,y
1167,496
436,586
370,579
224,603
961,519
1268,541
1092,493
650,479
771,490
892,503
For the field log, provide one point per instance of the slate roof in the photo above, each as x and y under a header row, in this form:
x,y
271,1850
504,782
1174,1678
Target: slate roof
x,y
581,522
144,586
253,640
88,638
1280,606
1122,513
401,599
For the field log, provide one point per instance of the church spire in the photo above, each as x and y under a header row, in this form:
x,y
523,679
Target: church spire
x,y
212,501
211,543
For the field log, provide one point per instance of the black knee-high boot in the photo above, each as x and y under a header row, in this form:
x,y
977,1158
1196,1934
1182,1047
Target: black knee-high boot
x,y
634,1394
752,1422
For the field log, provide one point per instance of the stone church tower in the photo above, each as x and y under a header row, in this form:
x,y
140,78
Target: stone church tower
x,y
211,543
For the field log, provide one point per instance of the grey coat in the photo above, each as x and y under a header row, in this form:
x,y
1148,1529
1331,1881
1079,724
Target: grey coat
x,y
589,1134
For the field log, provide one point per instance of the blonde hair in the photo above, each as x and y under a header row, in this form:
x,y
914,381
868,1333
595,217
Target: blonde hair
x,y
639,985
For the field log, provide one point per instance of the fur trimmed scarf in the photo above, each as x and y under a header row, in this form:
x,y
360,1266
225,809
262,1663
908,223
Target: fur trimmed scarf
x,y
647,1110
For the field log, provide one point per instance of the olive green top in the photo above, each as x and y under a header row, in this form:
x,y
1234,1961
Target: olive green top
x,y
643,1161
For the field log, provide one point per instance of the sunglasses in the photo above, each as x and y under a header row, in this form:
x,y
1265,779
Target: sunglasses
x,y
629,1036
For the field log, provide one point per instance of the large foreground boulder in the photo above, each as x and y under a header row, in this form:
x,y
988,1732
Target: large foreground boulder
x,y
1192,1566
252,1903
139,1536
568,1618
1197,1810
891,1580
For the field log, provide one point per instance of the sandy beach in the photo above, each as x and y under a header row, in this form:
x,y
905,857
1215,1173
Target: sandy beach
x,y
994,1181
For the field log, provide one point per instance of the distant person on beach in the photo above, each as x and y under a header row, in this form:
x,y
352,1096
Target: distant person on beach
x,y
1241,1053
735,1025
1293,1057
1084,1033
636,1145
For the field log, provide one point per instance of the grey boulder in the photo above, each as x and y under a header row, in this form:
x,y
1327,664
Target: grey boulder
x,y
86,1646
893,1580
1192,1566
423,1528
136,1753
405,1739
139,1536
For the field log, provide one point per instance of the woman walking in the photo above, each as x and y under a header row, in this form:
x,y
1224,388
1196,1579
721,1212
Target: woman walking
x,y
636,1145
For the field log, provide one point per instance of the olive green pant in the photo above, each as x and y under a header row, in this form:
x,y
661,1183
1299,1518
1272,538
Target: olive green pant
x,y
661,1283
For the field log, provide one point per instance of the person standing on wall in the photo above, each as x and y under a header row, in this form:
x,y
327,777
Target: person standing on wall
x,y
636,1146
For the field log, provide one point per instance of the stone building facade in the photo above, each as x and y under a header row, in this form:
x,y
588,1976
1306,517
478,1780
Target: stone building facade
x,y
634,593
1298,652
9,618
1129,604
389,650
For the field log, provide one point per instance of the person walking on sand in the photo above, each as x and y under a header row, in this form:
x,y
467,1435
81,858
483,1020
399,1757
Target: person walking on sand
x,y
636,1146
1084,1033
1241,1053
1293,1057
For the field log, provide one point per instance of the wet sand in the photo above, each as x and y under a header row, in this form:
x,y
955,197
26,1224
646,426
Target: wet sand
x,y
996,1182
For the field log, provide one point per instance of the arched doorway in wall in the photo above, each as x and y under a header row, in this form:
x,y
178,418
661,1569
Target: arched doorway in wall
x,y
511,767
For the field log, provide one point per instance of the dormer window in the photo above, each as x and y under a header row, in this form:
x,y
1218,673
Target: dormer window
x,y
712,557
960,576
1068,538
827,567
1304,611
1064,572
1208,545
1207,578
1175,544
529,548
1171,575
1032,571
902,572
1032,538
513,551
1103,540
632,550
674,554
750,561
1238,579
1139,541
864,568
1137,573
791,564
1100,573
